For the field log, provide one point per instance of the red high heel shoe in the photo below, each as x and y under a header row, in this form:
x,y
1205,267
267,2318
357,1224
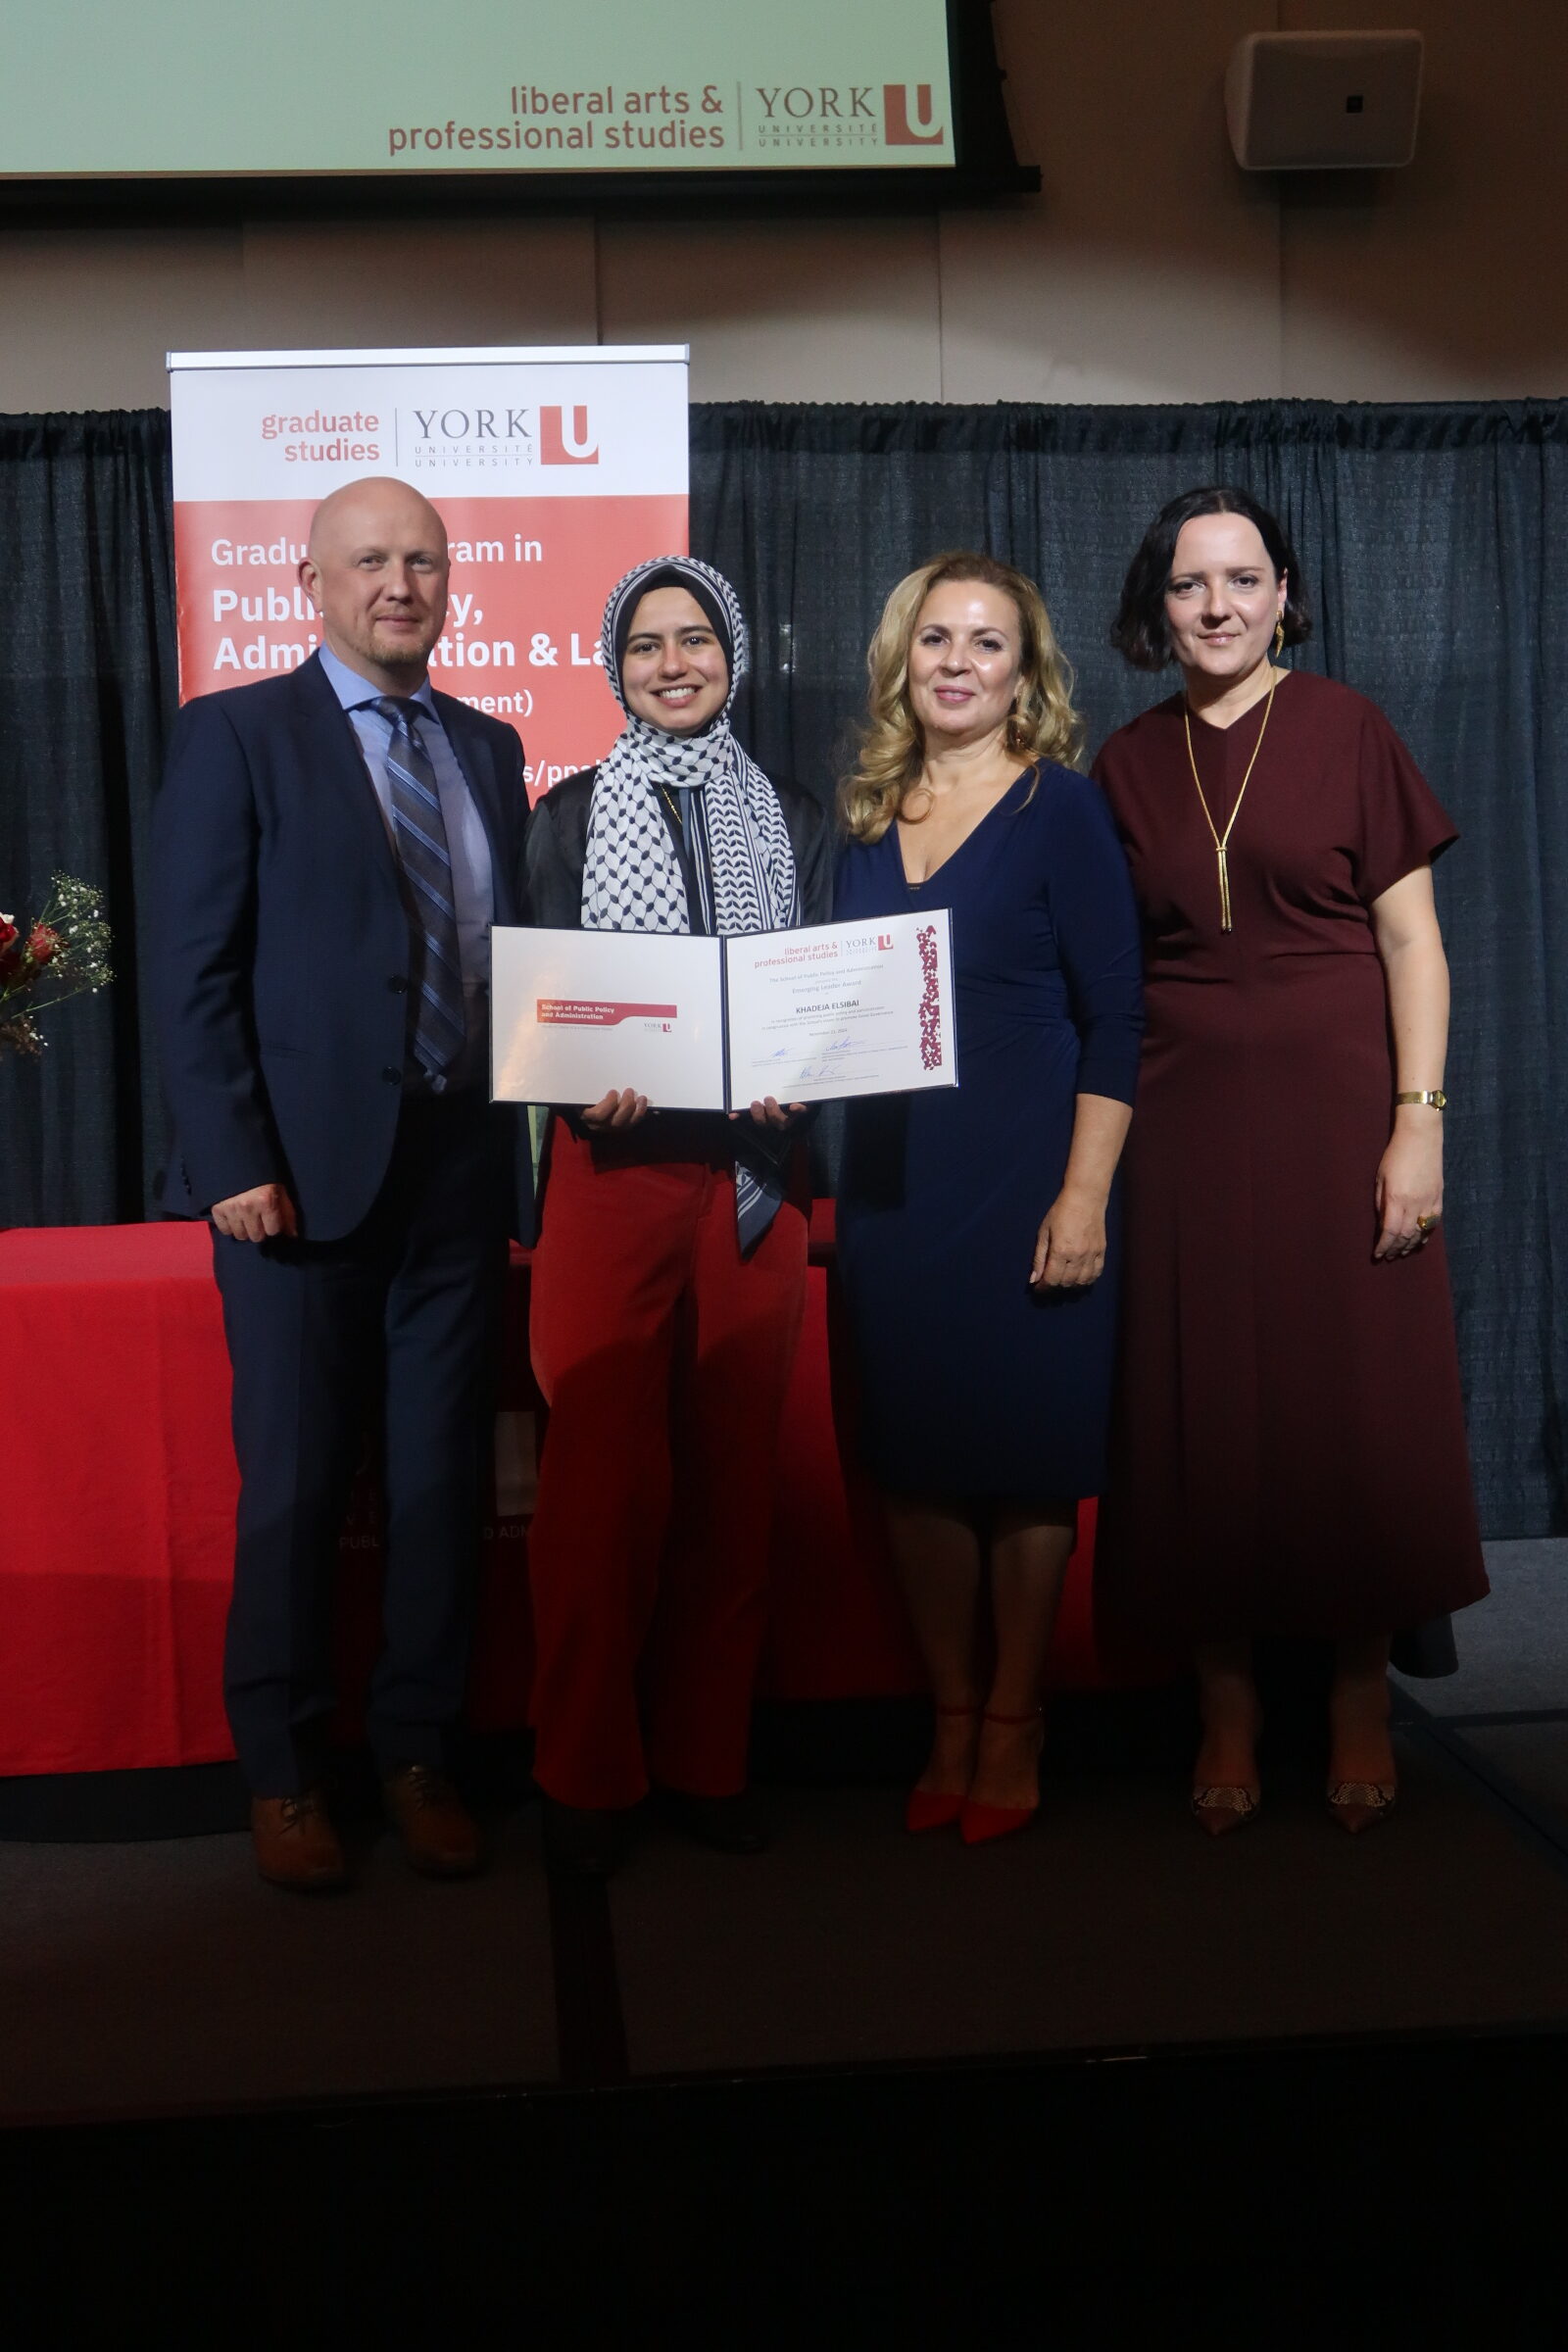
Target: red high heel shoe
x,y
978,1823
934,1808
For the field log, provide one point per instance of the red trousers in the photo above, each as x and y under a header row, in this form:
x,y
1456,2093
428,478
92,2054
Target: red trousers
x,y
665,1360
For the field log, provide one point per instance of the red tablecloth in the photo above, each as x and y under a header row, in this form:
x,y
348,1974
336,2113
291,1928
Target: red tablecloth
x,y
116,1503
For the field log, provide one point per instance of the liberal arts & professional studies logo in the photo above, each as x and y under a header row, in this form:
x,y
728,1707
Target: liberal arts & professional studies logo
x,y
495,439
845,117
898,131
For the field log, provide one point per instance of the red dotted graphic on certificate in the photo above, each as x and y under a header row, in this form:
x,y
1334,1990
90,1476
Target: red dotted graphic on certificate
x,y
930,1000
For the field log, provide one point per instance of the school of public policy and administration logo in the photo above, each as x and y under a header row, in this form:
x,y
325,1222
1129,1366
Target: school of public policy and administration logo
x,y
845,117
474,436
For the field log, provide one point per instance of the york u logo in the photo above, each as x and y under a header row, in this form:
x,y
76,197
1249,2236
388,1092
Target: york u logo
x,y
471,424
897,128
884,940
564,438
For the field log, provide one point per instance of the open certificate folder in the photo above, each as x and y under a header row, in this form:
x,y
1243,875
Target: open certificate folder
x,y
715,1024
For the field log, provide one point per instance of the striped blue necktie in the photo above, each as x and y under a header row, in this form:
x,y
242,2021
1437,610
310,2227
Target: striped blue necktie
x,y
440,1029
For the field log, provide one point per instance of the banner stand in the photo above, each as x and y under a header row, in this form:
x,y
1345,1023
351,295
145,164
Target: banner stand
x,y
554,471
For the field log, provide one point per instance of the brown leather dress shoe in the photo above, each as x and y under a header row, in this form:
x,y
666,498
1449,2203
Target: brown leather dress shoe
x,y
440,1835
296,1844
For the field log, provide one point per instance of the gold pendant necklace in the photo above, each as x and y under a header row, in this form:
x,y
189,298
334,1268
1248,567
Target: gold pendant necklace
x,y
1221,841
680,822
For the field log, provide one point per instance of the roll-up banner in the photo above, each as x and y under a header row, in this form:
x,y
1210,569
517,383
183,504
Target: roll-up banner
x,y
555,471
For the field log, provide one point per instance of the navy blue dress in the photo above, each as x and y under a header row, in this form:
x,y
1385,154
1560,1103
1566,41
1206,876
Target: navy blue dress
x,y
972,1384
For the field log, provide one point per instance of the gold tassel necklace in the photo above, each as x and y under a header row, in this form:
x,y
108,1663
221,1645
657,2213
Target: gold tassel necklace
x,y
1222,840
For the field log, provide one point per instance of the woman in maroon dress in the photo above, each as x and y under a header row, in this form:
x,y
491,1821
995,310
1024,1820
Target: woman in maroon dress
x,y
1290,1451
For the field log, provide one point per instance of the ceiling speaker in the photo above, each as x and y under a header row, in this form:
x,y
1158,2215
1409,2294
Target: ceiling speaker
x,y
1323,101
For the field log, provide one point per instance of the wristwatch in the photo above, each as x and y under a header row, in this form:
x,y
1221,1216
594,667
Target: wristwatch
x,y
1429,1094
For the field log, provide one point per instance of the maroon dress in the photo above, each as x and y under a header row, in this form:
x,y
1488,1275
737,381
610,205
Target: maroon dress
x,y
1288,1448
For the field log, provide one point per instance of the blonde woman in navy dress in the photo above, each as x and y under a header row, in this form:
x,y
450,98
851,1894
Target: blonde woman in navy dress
x,y
978,1225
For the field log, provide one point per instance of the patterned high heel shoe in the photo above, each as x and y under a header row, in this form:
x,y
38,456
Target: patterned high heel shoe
x,y
1354,1803
1358,1805
978,1823
1221,1806
935,1808
1227,1805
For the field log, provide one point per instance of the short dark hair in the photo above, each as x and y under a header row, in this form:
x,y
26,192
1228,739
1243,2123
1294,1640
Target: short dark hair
x,y
1139,630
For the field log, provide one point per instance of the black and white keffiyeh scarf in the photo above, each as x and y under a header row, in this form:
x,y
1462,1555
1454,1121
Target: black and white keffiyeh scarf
x,y
740,849
736,837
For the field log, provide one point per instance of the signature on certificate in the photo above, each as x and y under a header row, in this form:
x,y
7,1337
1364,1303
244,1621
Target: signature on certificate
x,y
822,1067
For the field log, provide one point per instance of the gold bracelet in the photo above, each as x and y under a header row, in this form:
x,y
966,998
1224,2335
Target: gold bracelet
x,y
1430,1094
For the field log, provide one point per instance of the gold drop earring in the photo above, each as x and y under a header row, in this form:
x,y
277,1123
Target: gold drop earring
x,y
1279,637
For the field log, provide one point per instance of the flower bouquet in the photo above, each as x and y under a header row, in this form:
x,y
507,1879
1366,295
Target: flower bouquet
x,y
64,951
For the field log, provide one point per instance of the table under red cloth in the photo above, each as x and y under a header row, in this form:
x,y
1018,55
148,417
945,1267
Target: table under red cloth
x,y
116,1511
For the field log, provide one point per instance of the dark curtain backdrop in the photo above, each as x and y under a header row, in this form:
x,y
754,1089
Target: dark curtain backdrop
x,y
87,688
1423,534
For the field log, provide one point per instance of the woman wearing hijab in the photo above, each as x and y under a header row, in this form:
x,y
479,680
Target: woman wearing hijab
x,y
669,1277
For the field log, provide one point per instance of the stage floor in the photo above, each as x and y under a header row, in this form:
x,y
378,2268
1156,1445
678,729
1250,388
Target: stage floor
x,y
162,1978
864,2089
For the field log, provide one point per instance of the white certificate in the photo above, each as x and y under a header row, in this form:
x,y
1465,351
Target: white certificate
x,y
575,1013
708,1024
840,1009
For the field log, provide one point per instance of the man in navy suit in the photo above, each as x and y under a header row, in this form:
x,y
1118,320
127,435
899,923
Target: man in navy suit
x,y
331,845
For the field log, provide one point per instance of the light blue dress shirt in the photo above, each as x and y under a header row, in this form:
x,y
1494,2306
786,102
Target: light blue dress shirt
x,y
468,843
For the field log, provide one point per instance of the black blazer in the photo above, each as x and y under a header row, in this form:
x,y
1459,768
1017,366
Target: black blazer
x,y
558,841
281,947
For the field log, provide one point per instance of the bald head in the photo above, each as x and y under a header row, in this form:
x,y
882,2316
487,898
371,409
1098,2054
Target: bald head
x,y
376,505
376,572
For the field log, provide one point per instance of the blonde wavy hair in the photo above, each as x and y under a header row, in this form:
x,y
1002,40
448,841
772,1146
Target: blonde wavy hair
x,y
1043,725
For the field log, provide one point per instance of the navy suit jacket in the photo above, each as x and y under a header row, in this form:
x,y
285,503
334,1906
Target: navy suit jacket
x,y
281,947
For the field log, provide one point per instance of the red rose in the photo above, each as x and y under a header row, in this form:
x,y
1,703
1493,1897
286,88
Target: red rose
x,y
43,944
10,952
